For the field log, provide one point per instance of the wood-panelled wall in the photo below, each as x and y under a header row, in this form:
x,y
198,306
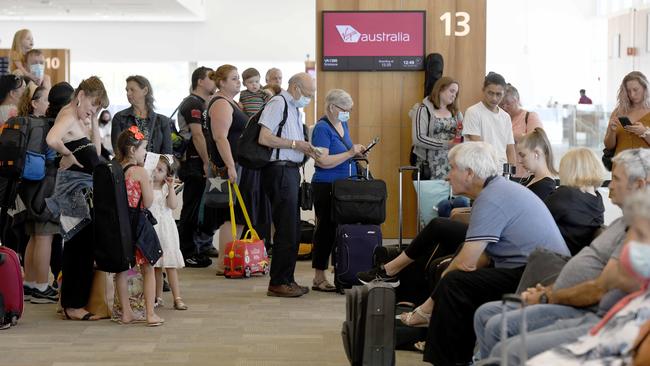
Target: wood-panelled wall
x,y
57,63
383,99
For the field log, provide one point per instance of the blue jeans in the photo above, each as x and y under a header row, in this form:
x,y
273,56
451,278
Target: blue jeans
x,y
487,321
563,331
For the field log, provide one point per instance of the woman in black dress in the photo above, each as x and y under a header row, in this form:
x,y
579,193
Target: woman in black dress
x,y
535,154
79,148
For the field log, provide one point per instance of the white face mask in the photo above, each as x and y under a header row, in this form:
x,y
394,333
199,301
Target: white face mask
x,y
344,116
302,102
38,70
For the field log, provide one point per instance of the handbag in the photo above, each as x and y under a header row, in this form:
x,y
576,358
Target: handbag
x,y
306,194
359,201
215,194
607,158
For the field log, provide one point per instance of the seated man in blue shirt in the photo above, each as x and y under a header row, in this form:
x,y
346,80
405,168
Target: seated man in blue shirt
x,y
508,222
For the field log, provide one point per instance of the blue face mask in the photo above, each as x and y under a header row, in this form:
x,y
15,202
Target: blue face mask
x,y
344,116
640,258
38,70
302,102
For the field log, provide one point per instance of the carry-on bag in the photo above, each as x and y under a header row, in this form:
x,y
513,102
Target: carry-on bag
x,y
368,332
359,199
354,246
113,238
11,286
502,360
246,256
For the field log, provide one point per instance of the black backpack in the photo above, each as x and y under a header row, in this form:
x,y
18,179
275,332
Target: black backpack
x,y
22,154
433,66
250,154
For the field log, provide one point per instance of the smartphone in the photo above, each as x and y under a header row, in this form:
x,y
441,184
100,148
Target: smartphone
x,y
624,121
371,145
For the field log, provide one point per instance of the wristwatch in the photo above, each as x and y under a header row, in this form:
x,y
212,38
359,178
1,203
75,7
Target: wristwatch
x,y
543,298
645,133
293,144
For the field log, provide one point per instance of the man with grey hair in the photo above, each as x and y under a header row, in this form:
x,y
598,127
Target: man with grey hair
x,y
508,222
281,178
585,289
274,76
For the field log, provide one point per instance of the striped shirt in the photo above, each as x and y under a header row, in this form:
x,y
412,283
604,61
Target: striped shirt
x,y
252,101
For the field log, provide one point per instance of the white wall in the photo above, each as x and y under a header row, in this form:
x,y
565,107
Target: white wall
x,y
238,30
548,49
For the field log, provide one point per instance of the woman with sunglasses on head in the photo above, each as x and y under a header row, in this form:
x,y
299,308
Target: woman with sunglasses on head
x,y
34,102
332,135
12,88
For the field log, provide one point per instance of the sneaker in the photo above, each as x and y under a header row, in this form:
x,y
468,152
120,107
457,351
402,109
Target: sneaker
x,y
27,293
378,274
49,296
212,253
197,261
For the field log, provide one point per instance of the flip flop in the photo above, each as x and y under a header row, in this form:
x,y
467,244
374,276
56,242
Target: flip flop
x,y
86,317
134,321
155,324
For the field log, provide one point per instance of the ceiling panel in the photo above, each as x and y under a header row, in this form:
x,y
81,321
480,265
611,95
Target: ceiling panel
x,y
104,10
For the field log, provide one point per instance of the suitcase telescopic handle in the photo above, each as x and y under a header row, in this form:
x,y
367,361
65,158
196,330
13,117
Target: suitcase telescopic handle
x,y
402,169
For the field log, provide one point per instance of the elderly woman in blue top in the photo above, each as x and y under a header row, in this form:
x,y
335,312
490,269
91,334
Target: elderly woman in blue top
x,y
332,136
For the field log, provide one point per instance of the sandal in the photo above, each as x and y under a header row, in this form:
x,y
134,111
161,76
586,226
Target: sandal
x,y
420,346
416,318
179,304
159,303
88,316
323,286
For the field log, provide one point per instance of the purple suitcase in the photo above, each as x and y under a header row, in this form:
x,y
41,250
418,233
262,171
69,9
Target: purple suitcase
x,y
354,246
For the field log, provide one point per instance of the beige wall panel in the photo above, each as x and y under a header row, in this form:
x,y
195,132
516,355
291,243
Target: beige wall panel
x,y
383,99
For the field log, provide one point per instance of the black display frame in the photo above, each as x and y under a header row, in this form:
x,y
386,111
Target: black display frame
x,y
373,58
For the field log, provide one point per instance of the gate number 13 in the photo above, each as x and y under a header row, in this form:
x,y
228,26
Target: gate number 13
x,y
462,22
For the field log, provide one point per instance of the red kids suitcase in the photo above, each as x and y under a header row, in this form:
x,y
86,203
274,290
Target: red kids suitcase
x,y
247,256
11,286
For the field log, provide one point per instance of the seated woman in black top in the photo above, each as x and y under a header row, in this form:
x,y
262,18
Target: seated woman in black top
x,y
71,138
535,154
576,205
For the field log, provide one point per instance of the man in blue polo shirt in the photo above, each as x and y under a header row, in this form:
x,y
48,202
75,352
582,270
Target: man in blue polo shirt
x,y
508,222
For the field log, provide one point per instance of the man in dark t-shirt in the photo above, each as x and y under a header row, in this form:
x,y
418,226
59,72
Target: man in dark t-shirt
x,y
194,168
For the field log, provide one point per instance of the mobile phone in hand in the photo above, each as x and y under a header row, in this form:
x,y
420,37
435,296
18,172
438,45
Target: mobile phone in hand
x,y
371,145
624,121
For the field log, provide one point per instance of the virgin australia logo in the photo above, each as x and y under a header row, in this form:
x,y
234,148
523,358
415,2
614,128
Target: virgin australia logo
x,y
350,35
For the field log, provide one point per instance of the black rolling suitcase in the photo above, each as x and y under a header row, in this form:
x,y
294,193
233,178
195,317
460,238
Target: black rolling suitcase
x,y
354,246
114,248
368,331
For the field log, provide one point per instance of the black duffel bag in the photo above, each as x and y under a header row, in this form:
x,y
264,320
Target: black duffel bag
x,y
359,201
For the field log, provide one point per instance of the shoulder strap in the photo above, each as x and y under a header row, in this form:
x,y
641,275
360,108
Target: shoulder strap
x,y
181,103
285,114
526,119
128,167
337,134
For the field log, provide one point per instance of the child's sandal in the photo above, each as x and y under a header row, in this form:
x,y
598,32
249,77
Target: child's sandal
x,y
179,304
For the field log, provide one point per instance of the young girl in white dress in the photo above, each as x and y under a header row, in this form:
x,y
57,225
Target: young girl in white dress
x,y
164,202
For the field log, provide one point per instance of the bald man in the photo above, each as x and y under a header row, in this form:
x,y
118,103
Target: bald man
x,y
281,178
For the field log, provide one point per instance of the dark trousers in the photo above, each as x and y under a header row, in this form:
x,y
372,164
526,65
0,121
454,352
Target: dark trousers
x,y
193,188
281,184
56,257
78,260
447,234
325,231
450,337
